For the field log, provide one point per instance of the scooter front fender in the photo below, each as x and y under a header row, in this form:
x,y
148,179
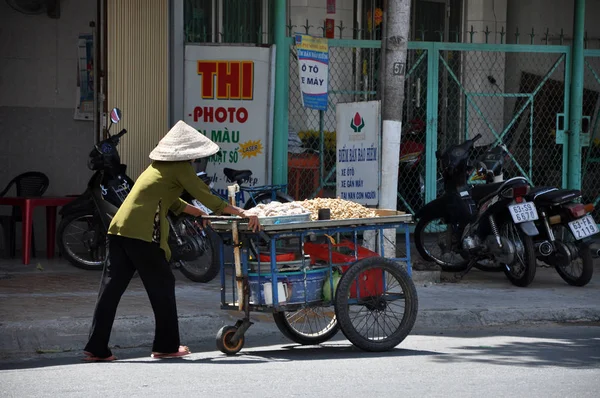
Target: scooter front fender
x,y
529,228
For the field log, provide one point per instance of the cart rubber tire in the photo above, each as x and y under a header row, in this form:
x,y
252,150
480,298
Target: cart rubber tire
x,y
224,341
410,309
291,333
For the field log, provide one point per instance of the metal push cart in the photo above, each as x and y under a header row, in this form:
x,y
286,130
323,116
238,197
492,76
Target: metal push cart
x,y
374,300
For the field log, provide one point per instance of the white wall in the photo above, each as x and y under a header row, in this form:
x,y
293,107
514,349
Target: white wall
x,y
482,15
552,15
37,99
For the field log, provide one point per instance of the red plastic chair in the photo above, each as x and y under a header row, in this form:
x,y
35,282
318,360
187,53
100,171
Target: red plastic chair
x,y
30,184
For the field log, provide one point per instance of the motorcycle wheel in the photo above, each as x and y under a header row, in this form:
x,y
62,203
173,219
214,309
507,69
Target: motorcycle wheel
x,y
266,198
522,272
580,270
204,268
429,244
82,240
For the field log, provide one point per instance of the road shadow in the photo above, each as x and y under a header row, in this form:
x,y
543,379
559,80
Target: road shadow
x,y
295,352
538,346
555,345
253,354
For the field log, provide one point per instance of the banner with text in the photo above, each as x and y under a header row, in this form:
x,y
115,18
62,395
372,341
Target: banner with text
x,y
313,69
357,154
227,98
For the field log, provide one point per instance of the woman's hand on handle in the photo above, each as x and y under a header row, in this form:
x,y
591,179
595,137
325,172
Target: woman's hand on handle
x,y
253,222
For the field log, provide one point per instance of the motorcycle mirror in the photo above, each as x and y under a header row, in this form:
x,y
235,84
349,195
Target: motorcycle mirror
x,y
115,115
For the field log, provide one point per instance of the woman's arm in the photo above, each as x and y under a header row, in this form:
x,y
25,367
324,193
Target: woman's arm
x,y
199,190
253,222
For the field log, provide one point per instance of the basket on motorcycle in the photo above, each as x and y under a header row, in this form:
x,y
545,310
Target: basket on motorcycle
x,y
371,281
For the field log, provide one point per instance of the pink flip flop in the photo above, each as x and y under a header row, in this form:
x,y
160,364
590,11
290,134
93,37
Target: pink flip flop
x,y
92,358
183,351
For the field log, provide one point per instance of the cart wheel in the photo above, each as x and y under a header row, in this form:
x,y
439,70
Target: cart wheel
x,y
224,343
307,326
378,312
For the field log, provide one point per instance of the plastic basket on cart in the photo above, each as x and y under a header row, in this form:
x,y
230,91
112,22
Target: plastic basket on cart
x,y
371,281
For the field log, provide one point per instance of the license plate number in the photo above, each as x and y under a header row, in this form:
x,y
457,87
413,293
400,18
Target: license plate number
x,y
583,227
523,212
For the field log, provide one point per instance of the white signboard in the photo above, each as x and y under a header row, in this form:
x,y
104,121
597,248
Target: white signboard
x,y
357,155
227,98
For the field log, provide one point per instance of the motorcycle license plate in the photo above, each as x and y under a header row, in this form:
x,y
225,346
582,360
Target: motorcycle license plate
x,y
583,227
199,205
523,212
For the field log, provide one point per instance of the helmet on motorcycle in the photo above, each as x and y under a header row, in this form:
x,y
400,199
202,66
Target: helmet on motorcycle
x,y
183,142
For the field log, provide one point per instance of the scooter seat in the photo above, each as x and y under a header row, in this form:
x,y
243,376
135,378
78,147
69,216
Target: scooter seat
x,y
557,197
238,176
534,192
482,192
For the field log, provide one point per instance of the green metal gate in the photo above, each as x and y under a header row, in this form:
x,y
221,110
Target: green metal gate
x,y
517,95
590,172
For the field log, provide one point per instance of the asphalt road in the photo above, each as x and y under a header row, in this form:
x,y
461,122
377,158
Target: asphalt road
x,y
540,361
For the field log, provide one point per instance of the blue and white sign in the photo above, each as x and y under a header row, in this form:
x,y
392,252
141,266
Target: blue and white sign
x,y
313,69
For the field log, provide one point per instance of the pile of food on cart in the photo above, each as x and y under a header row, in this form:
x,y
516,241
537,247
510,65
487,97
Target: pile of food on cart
x,y
308,209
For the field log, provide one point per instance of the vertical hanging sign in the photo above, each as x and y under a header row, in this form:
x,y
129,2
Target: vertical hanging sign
x,y
84,109
313,69
357,154
330,6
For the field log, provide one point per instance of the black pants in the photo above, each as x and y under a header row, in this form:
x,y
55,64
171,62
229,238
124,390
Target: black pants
x,y
126,255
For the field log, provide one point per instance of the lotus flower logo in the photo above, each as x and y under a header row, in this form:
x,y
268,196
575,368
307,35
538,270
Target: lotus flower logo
x,y
357,123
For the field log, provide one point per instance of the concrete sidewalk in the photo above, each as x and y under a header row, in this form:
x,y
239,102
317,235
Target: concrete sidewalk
x,y
48,306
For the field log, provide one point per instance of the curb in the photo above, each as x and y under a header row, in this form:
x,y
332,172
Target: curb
x,y
70,334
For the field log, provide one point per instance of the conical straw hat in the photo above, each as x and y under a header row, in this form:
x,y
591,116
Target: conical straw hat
x,y
183,142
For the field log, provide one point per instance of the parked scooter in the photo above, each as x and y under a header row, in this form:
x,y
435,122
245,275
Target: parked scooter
x,y
83,228
466,225
567,238
411,170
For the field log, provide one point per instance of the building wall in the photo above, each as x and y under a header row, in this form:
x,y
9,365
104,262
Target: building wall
x,y
481,16
38,72
138,76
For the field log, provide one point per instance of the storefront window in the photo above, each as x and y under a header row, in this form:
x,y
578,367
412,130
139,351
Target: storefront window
x,y
228,21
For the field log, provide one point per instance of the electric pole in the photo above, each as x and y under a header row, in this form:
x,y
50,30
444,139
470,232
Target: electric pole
x,y
394,39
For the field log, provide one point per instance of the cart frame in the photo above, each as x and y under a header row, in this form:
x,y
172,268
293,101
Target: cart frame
x,y
244,243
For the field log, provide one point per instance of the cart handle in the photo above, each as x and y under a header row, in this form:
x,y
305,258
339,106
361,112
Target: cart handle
x,y
240,220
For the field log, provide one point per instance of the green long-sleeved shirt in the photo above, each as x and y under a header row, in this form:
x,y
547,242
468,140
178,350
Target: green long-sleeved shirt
x,y
156,191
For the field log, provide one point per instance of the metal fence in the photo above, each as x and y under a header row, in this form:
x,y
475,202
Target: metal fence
x,y
352,77
590,178
513,95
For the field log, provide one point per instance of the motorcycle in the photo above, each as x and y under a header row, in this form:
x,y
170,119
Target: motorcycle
x,y
567,228
411,171
84,224
468,225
